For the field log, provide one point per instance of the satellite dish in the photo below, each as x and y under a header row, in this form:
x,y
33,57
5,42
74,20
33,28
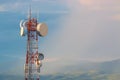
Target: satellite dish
x,y
42,29
40,56
23,31
23,23
23,28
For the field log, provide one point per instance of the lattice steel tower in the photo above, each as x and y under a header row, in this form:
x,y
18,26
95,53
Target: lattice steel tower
x,y
32,29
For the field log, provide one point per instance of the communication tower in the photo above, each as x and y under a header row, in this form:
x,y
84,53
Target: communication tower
x,y
32,29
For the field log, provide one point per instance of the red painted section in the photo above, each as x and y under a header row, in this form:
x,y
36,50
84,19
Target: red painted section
x,y
32,48
27,58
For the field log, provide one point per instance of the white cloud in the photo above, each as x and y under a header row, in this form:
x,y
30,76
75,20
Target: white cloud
x,y
87,2
50,60
14,7
86,34
2,8
98,4
116,17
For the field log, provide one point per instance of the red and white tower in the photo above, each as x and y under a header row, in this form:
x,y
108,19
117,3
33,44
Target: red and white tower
x,y
32,29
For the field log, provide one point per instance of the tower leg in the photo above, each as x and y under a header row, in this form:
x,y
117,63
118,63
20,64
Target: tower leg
x,y
37,78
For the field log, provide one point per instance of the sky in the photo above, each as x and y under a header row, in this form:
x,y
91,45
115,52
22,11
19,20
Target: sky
x,y
79,30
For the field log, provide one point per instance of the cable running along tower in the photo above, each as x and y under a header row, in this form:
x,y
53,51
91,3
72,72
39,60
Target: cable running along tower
x,y
32,29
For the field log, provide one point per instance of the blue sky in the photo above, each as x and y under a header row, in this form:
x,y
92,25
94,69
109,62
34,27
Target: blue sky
x,y
79,30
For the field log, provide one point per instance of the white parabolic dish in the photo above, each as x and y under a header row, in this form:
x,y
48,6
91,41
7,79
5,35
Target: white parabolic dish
x,y
42,29
22,31
23,23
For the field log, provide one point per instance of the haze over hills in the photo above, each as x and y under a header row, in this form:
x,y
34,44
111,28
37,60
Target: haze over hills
x,y
103,67
109,70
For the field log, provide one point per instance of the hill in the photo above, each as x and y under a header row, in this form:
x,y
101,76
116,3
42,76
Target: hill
x,y
109,70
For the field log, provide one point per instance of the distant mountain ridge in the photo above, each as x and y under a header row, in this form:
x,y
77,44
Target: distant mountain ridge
x,y
109,70
107,67
110,66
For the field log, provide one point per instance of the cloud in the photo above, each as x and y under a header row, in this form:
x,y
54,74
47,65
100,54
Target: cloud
x,y
2,8
41,5
13,7
87,2
82,35
86,34
116,17
62,5
100,4
50,60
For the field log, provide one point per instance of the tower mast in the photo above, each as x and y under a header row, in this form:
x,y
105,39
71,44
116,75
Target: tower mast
x,y
33,29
